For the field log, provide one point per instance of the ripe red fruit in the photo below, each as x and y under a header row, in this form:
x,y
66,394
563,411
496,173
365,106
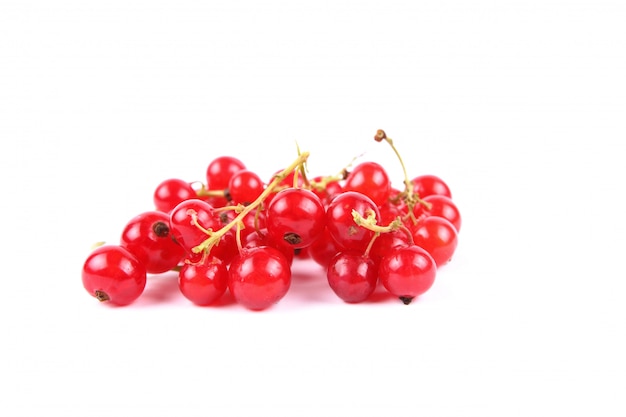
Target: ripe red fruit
x,y
112,274
147,236
438,236
371,179
259,277
182,225
352,276
296,216
218,175
426,185
170,192
245,186
407,271
220,170
442,206
204,283
340,222
323,249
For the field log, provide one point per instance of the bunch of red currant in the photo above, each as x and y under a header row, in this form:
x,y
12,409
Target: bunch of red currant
x,y
240,234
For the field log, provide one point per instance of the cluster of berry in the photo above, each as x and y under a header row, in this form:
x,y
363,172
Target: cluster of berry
x,y
239,233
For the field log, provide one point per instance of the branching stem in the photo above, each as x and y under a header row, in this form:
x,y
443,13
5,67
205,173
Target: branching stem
x,y
215,236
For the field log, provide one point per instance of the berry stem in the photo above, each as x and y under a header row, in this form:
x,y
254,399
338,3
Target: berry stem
x,y
409,196
215,236
300,169
204,192
370,224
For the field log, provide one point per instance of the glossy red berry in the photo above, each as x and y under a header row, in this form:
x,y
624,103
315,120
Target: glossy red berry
x,y
442,206
329,191
386,242
407,272
371,179
244,187
340,221
184,221
220,170
170,192
262,238
438,236
259,277
203,283
425,185
147,236
112,274
352,276
296,216
324,249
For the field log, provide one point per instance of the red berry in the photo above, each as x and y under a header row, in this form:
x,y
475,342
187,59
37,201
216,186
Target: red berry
x,y
147,236
296,216
442,206
331,190
244,187
170,192
340,222
386,242
324,248
437,236
352,276
259,277
426,185
112,274
407,271
262,238
371,179
203,283
183,226
220,171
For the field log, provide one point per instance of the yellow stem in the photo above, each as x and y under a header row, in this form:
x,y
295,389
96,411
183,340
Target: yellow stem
x,y
214,237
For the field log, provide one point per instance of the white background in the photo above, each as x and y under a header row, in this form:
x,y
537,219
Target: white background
x,y
519,105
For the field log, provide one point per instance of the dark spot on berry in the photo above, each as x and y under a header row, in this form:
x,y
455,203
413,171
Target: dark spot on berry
x,y
406,300
227,195
101,296
292,238
161,229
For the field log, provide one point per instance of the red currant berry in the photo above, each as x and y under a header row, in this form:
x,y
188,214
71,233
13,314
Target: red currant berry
x,y
385,243
112,274
324,248
330,190
296,216
426,185
438,237
171,192
185,219
244,187
259,277
352,276
390,212
261,238
371,179
442,206
203,283
340,222
220,170
407,271
147,236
